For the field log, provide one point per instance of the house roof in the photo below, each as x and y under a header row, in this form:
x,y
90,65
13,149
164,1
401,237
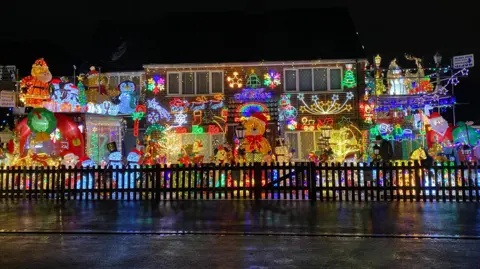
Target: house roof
x,y
220,37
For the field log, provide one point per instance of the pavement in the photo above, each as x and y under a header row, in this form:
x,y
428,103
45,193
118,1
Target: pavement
x,y
238,234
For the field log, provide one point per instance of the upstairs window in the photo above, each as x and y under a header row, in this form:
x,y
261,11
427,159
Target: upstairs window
x,y
313,79
195,83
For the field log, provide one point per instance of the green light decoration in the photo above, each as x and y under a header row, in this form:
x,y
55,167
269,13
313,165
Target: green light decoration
x,y
138,115
349,80
93,152
42,123
197,129
154,127
253,81
82,97
271,79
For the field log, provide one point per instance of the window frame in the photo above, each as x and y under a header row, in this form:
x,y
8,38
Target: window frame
x,y
180,82
297,78
316,135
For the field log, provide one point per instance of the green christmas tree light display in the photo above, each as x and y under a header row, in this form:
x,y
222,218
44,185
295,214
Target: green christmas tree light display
x,y
93,150
253,81
349,80
82,97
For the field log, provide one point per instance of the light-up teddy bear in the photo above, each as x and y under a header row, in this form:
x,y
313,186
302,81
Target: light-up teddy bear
x,y
134,160
127,98
254,142
87,177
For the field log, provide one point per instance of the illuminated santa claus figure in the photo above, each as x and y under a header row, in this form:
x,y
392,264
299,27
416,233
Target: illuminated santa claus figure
x,y
440,131
69,159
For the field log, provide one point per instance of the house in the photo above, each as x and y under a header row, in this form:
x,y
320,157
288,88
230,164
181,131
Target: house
x,y
295,66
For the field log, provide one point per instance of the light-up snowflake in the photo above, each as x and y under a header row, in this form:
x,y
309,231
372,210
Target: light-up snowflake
x,y
271,79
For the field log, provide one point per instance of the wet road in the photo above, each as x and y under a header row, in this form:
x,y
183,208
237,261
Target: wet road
x,y
207,251
245,217
238,234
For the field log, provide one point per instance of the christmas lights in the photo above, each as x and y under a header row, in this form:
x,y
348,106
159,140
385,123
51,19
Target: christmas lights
x,y
349,80
127,97
287,111
156,84
253,81
271,79
139,114
326,107
158,109
234,81
246,110
249,94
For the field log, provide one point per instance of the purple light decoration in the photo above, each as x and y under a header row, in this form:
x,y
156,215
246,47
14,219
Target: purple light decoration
x,y
248,94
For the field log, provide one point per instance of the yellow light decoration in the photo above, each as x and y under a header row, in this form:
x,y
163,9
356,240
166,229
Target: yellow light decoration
x,y
234,81
326,107
379,86
343,142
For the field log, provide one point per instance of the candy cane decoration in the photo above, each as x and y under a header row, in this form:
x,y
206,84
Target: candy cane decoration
x,y
139,113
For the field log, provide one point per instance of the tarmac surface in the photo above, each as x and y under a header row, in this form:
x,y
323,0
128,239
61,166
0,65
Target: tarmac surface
x,y
238,234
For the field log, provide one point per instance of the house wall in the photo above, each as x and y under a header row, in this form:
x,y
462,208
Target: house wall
x,y
276,128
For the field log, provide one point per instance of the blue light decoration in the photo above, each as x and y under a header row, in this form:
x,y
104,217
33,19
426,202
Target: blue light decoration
x,y
115,161
133,159
288,113
248,95
391,132
127,98
64,97
385,104
110,109
158,112
87,177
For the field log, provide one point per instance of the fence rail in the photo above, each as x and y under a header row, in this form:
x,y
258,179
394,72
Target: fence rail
x,y
286,181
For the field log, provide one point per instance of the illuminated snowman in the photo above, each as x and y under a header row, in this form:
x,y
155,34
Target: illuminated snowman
x,y
127,100
87,177
115,161
396,80
133,159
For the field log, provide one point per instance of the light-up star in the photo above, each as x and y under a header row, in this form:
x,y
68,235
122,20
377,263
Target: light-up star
x,y
300,96
314,98
465,72
335,97
349,95
436,98
455,81
345,121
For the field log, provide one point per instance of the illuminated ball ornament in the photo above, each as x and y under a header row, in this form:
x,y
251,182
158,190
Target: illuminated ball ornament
x,y
42,122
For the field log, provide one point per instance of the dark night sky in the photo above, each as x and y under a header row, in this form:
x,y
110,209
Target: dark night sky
x,y
71,34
